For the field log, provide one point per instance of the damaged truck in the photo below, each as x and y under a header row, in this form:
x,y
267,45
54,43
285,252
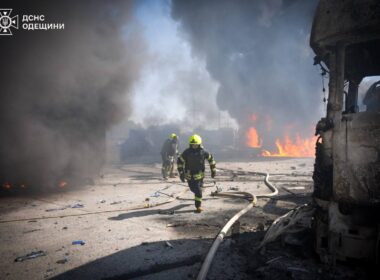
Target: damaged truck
x,y
346,40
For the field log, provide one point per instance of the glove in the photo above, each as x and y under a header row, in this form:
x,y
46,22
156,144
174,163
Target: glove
x,y
213,173
182,177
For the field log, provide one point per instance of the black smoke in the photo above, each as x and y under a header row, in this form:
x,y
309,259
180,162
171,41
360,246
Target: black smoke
x,y
62,89
258,51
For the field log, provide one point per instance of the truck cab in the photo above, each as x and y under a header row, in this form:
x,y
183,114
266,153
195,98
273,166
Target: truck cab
x,y
345,37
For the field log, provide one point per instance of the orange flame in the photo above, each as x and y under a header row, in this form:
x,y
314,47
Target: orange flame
x,y
7,186
253,139
62,184
287,148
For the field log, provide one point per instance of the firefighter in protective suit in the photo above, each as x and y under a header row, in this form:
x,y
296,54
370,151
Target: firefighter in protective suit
x,y
191,166
169,153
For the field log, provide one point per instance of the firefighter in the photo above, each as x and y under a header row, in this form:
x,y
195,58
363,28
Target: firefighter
x,y
191,166
169,153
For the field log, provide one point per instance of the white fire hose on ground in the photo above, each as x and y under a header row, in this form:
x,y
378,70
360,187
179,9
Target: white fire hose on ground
x,y
218,240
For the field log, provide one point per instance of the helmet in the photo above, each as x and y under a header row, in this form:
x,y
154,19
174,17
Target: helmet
x,y
195,140
173,136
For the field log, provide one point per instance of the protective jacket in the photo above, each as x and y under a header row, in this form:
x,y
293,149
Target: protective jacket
x,y
169,148
192,163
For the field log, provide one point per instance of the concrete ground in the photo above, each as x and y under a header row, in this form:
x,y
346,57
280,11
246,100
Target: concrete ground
x,y
126,236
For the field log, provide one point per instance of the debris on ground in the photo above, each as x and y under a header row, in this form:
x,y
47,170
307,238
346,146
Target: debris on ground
x,y
169,195
115,202
166,212
234,188
295,188
298,269
32,230
78,242
168,244
218,189
63,261
156,194
260,227
56,209
290,219
31,255
273,260
77,205
176,225
102,201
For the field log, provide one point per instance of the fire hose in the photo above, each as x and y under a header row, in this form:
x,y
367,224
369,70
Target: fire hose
x,y
218,240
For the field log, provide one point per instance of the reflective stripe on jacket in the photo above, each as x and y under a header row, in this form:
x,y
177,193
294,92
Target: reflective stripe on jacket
x,y
191,163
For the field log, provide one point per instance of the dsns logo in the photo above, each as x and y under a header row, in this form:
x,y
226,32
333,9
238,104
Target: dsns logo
x,y
7,22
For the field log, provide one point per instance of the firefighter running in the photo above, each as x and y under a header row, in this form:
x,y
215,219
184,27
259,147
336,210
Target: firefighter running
x,y
191,166
169,152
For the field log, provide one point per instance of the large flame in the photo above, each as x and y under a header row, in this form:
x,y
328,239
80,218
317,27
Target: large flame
x,y
289,148
253,139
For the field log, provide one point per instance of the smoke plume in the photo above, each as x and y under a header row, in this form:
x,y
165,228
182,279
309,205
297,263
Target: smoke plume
x,y
62,89
259,53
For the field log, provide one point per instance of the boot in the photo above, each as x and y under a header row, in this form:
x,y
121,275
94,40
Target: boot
x,y
198,210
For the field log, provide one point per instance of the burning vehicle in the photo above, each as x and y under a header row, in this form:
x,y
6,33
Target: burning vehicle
x,y
347,166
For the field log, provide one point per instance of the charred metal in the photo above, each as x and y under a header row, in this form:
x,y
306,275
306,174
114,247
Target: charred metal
x,y
347,165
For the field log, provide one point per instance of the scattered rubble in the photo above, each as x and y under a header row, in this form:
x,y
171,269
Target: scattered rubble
x,y
156,194
115,202
78,242
56,209
31,255
168,244
32,230
63,261
77,205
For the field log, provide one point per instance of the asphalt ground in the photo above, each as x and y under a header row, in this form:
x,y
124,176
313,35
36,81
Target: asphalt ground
x,y
135,225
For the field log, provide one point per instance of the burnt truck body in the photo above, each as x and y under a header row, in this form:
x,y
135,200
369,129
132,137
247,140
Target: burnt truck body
x,y
346,40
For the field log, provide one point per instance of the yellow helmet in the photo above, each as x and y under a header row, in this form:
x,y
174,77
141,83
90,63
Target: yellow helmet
x,y
173,136
195,140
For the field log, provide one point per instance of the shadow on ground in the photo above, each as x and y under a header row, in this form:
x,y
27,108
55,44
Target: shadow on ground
x,y
180,259
237,258
144,213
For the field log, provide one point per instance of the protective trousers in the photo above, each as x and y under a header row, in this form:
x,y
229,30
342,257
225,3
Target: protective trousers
x,y
165,166
196,188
